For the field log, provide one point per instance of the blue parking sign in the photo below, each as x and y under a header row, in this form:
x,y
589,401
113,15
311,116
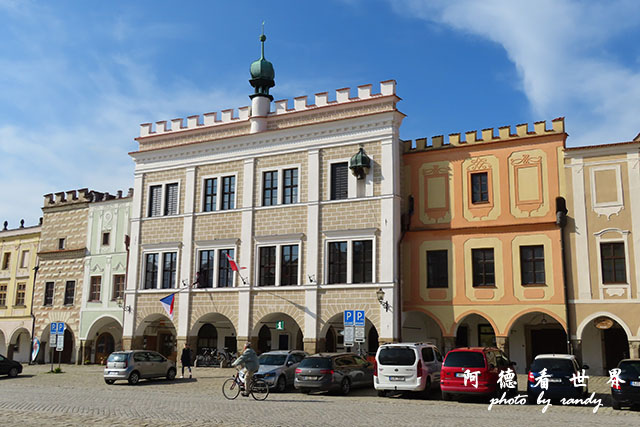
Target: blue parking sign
x,y
359,320
54,328
348,318
60,328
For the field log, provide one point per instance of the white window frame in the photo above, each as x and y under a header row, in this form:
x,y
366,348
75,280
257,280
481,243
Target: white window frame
x,y
219,177
163,196
159,249
613,288
215,245
350,236
280,197
278,241
24,258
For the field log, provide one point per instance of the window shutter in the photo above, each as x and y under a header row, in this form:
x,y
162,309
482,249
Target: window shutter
x,y
155,198
171,202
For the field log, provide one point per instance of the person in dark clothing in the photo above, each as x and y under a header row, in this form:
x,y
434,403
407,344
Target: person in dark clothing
x,y
185,358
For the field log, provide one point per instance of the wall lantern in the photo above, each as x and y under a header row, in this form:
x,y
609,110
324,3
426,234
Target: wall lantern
x,y
360,164
380,295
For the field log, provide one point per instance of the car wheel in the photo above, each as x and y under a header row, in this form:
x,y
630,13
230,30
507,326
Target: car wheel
x,y
427,388
281,384
109,381
345,386
615,404
382,393
13,372
446,396
134,378
171,374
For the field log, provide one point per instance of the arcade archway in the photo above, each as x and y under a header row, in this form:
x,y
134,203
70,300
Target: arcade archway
x,y
605,342
475,330
158,334
532,334
278,331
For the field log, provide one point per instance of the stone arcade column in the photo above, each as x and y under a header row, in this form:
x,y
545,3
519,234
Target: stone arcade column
x,y
634,349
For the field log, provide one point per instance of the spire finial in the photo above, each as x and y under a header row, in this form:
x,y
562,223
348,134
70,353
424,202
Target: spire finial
x,y
263,38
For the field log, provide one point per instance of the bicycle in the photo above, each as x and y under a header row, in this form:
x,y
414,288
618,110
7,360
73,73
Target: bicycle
x,y
258,389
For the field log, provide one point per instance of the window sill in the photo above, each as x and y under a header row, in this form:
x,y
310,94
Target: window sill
x,y
485,287
481,204
68,305
20,306
615,284
281,205
533,285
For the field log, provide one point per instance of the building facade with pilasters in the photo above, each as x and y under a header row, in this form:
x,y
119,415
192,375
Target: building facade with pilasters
x,y
304,197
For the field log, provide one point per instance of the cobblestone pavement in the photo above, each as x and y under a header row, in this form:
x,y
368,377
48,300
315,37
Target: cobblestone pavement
x,y
80,397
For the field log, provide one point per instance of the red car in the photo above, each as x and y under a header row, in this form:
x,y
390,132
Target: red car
x,y
475,371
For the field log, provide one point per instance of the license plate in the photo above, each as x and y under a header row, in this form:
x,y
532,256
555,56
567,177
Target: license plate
x,y
555,380
459,374
309,378
396,378
635,383
113,373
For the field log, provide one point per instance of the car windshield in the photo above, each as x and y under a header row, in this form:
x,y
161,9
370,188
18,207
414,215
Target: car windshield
x,y
464,359
272,359
315,362
630,368
399,356
552,365
117,357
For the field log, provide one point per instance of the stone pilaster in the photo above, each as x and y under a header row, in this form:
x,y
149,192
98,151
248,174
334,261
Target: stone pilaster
x,y
503,344
449,344
634,349
311,346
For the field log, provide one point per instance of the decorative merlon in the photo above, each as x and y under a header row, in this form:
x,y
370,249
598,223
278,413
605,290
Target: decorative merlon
x,y
486,136
82,195
300,103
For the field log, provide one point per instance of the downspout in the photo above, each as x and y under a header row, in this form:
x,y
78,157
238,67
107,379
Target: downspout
x,y
405,224
33,317
561,221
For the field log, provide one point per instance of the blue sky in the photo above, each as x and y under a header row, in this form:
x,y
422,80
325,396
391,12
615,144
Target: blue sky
x,y
77,78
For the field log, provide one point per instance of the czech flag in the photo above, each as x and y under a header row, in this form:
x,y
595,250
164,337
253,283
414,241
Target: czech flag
x,y
232,263
167,303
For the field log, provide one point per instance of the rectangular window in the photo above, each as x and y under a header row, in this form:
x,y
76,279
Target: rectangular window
x,y
289,265
155,200
270,188
105,238
612,256
5,260
151,271
210,194
205,274
61,243
48,293
290,187
169,270
21,290
171,199
118,286
94,290
228,192
70,291
3,295
483,268
225,273
337,262
362,261
267,269
437,269
24,262
339,181
479,187
532,265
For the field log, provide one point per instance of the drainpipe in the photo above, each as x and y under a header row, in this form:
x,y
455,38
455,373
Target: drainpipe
x,y
33,317
561,221
405,224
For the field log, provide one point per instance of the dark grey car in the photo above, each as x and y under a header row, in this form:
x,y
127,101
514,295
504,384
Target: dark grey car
x,y
333,372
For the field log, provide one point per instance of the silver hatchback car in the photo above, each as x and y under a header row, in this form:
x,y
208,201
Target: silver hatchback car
x,y
278,368
134,365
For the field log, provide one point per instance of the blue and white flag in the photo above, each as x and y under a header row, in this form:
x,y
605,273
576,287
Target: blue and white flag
x,y
167,303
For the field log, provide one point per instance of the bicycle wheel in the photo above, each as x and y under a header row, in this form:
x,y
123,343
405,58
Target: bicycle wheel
x,y
259,390
230,389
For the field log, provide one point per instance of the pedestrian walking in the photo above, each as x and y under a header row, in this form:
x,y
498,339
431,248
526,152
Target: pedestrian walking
x,y
185,358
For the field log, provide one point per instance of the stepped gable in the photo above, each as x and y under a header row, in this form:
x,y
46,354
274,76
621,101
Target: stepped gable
x,y
486,136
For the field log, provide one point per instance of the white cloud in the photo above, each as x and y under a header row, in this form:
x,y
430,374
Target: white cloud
x,y
559,48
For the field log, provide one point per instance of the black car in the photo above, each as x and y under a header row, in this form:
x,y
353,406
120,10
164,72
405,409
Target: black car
x,y
333,372
627,391
559,369
9,367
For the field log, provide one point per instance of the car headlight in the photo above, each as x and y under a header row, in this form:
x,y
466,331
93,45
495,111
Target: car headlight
x,y
270,374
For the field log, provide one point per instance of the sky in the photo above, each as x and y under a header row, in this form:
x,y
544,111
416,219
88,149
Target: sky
x,y
78,77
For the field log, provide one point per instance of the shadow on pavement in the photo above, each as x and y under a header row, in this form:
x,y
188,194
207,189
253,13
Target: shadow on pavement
x,y
2,378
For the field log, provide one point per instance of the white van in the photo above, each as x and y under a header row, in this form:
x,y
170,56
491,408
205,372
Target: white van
x,y
407,367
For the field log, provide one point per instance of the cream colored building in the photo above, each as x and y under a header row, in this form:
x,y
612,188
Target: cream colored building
x,y
603,199
18,259
271,186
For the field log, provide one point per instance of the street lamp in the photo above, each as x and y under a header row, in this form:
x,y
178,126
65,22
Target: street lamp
x,y
124,308
380,295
